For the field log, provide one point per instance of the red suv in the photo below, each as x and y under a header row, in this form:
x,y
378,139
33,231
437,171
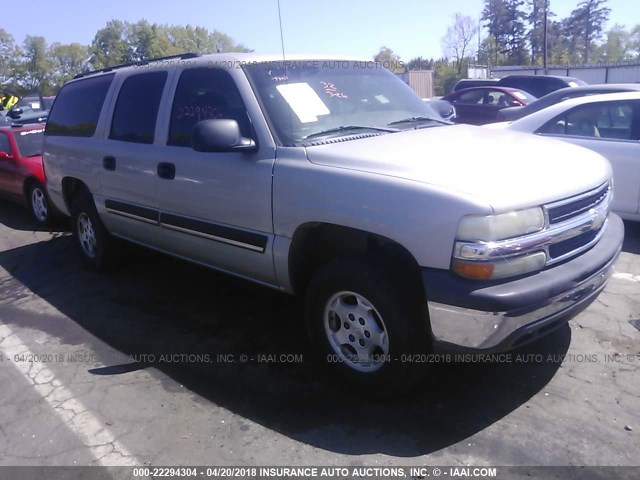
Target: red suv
x,y
22,177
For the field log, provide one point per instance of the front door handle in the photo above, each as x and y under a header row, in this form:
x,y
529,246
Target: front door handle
x,y
109,163
167,170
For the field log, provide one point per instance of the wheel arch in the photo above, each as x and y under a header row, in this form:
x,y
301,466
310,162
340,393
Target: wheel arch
x,y
315,244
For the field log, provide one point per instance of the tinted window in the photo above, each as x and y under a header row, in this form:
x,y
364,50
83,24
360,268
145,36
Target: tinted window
x,y
30,142
77,107
204,94
475,96
134,118
598,120
5,146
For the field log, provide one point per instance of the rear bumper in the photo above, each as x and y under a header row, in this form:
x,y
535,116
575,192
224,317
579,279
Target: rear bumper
x,y
504,315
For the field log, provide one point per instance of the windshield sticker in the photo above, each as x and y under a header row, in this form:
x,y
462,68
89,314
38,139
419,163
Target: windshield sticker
x,y
304,101
382,99
29,132
332,91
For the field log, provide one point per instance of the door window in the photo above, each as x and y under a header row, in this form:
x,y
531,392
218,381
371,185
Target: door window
x,y
205,94
134,118
470,98
78,107
600,120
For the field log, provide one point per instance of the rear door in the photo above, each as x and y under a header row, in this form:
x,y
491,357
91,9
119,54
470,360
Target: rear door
x,y
613,130
127,197
469,106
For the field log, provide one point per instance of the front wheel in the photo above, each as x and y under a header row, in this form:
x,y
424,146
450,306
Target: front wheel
x,y
368,322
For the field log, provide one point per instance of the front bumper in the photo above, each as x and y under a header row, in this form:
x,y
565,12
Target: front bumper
x,y
502,315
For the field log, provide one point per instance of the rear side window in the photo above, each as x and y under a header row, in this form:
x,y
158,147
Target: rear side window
x,y
134,118
77,107
205,94
5,146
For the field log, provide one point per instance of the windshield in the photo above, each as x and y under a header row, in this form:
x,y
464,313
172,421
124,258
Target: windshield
x,y
30,142
309,101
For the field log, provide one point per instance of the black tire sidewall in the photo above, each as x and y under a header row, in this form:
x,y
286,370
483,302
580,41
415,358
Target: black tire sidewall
x,y
402,312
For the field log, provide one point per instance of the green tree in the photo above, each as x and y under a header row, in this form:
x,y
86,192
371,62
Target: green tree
x,y
35,68
587,23
457,41
535,36
505,20
110,46
389,60
420,63
9,58
68,61
634,42
617,44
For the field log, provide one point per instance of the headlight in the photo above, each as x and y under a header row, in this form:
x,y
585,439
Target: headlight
x,y
480,238
474,228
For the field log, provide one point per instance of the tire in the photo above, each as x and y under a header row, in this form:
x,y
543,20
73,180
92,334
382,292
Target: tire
x,y
97,248
39,205
369,323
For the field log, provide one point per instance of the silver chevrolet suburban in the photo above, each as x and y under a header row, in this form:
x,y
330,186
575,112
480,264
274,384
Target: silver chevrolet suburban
x,y
331,179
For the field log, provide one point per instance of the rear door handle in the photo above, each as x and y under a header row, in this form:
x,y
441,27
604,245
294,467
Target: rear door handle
x,y
109,163
167,170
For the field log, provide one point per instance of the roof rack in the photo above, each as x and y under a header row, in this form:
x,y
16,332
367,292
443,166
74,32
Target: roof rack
x,y
181,56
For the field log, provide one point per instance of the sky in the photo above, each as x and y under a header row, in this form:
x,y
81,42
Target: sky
x,y
411,28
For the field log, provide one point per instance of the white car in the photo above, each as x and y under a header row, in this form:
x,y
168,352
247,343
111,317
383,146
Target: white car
x,y
608,124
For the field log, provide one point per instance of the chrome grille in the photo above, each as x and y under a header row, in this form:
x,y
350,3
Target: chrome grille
x,y
561,211
573,209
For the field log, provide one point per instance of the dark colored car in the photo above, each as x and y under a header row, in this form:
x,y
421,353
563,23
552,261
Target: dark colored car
x,y
30,109
514,113
473,82
539,85
445,109
22,177
481,105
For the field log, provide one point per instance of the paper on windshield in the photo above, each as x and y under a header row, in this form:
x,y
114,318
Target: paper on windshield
x,y
304,101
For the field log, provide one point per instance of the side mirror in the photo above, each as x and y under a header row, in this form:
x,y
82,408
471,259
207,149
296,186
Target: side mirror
x,y
15,112
220,135
6,156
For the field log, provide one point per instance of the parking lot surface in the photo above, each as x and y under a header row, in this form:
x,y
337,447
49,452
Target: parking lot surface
x,y
161,362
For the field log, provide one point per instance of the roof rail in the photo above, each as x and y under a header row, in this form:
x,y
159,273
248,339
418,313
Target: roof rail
x,y
137,64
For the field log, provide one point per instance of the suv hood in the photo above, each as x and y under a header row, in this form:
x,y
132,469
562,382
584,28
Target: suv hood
x,y
504,169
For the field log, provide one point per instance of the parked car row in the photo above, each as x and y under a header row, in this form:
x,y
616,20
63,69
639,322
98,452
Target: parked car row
x,y
481,101
29,109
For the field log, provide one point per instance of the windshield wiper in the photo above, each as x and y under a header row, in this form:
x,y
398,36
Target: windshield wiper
x,y
347,128
420,119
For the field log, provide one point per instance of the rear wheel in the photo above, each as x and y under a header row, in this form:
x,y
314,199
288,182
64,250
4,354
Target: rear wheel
x,y
368,323
39,204
97,248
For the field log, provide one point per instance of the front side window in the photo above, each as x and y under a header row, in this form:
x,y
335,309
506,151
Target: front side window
x,y
309,101
205,94
611,120
134,118
78,106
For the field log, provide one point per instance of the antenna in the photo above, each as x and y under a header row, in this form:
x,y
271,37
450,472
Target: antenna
x,y
281,35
